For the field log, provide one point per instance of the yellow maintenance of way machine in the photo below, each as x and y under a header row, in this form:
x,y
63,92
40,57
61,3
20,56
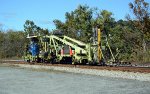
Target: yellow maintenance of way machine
x,y
63,49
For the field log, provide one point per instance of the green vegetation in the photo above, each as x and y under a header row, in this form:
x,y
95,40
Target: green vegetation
x,y
131,38
11,44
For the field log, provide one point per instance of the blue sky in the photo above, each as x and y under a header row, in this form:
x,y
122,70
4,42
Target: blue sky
x,y
14,13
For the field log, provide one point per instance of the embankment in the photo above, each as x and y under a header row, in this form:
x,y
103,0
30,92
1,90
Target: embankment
x,y
106,73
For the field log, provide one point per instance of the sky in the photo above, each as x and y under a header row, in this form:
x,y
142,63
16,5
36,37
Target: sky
x,y
14,13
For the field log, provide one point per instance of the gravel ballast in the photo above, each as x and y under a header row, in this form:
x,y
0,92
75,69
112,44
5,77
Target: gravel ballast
x,y
106,73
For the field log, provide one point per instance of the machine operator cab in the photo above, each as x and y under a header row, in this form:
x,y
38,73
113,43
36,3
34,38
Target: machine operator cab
x,y
32,49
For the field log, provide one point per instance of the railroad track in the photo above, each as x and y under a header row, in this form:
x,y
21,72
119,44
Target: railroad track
x,y
140,69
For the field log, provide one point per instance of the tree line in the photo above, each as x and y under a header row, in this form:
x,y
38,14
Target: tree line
x,y
129,39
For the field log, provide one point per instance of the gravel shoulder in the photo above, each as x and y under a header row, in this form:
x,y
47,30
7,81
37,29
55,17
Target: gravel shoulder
x,y
106,73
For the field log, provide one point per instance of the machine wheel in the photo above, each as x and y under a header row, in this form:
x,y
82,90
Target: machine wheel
x,y
28,60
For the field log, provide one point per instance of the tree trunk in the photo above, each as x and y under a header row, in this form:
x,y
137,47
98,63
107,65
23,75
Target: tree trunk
x,y
144,45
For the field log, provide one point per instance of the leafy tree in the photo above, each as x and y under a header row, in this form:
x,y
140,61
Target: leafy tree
x,y
106,23
12,44
140,9
104,19
78,23
42,31
125,39
31,28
